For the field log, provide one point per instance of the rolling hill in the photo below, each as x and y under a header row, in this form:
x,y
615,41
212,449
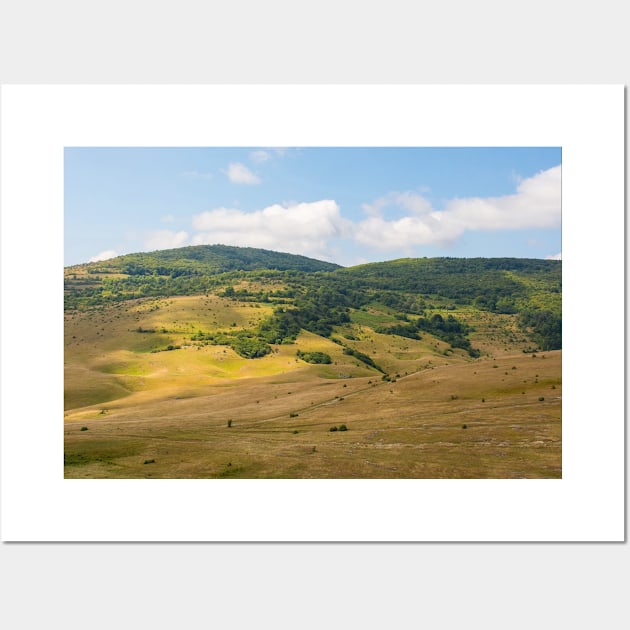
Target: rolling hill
x,y
195,358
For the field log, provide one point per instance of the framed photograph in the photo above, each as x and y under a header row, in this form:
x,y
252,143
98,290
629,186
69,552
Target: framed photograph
x,y
312,313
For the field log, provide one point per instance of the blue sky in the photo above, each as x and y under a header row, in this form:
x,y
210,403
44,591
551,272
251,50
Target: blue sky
x,y
346,205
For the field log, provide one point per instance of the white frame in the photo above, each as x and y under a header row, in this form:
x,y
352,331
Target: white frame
x,y
587,504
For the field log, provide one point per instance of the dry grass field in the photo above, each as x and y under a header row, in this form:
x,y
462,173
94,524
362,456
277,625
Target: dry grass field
x,y
135,409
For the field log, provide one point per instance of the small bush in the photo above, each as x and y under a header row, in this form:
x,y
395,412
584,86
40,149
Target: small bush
x,y
541,398
84,428
293,415
149,461
343,427
229,423
333,429
314,357
464,426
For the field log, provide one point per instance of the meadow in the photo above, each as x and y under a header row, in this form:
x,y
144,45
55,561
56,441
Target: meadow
x,y
144,399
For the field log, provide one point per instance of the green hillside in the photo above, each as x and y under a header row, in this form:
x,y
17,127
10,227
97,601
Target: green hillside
x,y
183,271
218,361
530,289
317,296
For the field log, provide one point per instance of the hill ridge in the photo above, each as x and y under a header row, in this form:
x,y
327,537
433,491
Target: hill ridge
x,y
219,253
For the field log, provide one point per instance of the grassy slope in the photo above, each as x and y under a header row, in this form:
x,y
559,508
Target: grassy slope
x,y
173,407
410,428
106,359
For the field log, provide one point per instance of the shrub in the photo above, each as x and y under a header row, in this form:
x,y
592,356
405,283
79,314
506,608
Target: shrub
x,y
84,428
149,461
293,415
541,398
250,347
333,429
464,426
229,423
343,427
314,357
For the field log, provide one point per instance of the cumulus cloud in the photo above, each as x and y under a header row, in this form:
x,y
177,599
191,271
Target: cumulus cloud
x,y
106,255
165,239
535,204
302,228
395,221
402,233
239,174
554,257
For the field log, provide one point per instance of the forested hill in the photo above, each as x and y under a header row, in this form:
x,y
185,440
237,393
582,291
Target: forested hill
x,y
204,259
495,284
317,296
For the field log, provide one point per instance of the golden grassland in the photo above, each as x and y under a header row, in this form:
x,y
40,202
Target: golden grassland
x,y
134,413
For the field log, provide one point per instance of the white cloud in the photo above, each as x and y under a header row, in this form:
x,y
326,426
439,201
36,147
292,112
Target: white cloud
x,y
397,220
240,174
402,233
554,257
259,156
535,204
165,239
106,255
302,228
